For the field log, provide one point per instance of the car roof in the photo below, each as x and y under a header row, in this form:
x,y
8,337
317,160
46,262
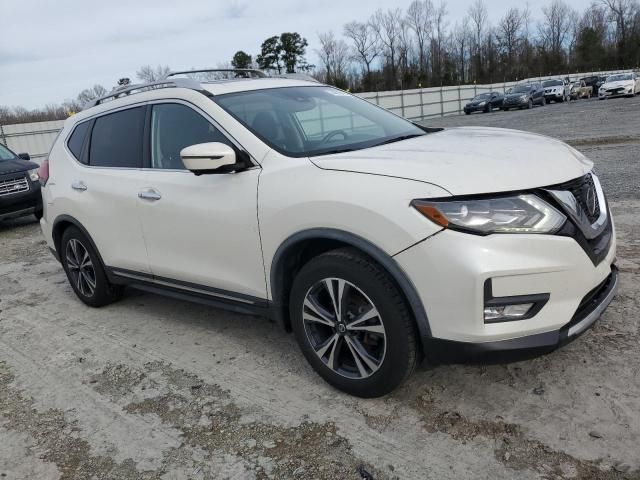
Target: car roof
x,y
220,87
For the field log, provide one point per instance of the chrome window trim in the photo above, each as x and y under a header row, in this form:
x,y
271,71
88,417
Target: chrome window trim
x,y
187,103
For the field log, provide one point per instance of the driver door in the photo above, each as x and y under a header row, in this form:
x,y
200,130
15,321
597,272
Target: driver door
x,y
201,232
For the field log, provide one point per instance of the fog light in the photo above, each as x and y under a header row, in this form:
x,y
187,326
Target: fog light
x,y
501,313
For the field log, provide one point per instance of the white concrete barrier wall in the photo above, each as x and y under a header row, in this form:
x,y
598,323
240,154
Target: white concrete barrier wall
x,y
416,104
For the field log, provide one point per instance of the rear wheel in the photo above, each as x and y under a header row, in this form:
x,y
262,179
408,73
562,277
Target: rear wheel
x,y
85,271
352,323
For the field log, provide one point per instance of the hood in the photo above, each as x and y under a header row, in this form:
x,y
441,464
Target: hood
x,y
513,95
15,166
469,160
619,83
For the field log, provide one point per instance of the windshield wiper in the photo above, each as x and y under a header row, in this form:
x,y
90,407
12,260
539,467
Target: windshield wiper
x,y
337,150
398,139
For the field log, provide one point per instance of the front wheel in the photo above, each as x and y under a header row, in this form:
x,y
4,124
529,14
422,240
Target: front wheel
x,y
530,104
353,324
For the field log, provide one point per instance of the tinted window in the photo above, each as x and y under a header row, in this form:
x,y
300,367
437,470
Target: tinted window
x,y
116,139
77,139
174,127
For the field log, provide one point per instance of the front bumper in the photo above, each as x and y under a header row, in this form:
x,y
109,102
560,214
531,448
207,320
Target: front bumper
x,y
475,108
449,271
553,95
618,92
22,203
590,309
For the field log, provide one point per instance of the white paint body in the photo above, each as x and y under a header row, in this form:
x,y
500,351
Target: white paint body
x,y
630,87
223,231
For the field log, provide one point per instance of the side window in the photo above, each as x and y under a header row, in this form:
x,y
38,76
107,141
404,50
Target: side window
x,y
174,127
76,140
116,139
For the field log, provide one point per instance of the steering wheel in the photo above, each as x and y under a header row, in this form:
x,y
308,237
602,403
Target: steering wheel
x,y
332,134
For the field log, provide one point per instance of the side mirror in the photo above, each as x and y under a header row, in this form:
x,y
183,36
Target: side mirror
x,y
24,156
213,157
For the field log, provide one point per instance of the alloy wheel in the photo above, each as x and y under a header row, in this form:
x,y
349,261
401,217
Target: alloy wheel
x,y
344,328
80,266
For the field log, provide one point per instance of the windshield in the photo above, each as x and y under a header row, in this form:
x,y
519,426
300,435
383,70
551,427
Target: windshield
x,y
482,96
617,78
308,121
521,89
551,83
6,154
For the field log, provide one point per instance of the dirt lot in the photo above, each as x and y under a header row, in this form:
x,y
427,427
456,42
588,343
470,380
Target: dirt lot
x,y
156,388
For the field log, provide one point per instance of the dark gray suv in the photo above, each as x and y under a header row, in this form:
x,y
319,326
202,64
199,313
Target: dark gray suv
x,y
524,96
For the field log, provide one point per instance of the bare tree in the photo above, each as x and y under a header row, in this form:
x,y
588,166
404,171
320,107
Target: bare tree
x,y
89,94
509,34
555,28
334,55
365,45
386,25
420,19
461,39
478,16
440,27
625,15
149,74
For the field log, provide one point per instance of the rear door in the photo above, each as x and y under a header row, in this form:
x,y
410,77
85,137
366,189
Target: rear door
x,y
104,184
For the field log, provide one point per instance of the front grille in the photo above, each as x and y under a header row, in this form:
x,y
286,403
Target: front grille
x,y
583,189
587,217
15,185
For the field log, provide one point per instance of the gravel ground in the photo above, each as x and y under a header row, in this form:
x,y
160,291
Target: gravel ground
x,y
155,388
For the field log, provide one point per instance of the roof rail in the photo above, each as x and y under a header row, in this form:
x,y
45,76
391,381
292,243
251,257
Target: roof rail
x,y
240,72
297,76
141,87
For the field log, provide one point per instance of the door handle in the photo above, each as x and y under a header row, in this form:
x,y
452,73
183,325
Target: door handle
x,y
78,185
150,194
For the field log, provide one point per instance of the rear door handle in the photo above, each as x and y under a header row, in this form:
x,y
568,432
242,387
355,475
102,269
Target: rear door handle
x,y
78,185
150,194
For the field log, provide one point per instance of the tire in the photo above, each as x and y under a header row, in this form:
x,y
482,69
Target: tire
x,y
467,113
487,109
543,102
392,349
530,104
89,282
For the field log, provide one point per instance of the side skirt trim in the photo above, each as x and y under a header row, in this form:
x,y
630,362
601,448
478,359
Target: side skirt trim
x,y
189,291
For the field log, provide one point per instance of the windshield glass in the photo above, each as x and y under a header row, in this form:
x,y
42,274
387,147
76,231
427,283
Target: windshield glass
x,y
551,83
521,89
5,154
307,121
617,78
482,96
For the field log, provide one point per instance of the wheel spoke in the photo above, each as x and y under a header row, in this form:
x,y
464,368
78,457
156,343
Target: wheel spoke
x,y
71,263
79,284
368,315
361,369
336,296
90,279
86,260
368,328
327,345
317,314
337,345
359,350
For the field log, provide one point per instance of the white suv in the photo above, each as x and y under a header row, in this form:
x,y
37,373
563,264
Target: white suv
x,y
378,242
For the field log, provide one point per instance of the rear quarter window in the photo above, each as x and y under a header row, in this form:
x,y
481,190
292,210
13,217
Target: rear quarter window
x,y
116,139
76,140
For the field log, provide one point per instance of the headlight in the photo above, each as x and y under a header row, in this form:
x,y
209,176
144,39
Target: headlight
x,y
482,104
524,213
523,97
33,175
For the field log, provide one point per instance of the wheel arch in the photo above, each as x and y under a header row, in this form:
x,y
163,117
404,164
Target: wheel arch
x,y
300,247
61,223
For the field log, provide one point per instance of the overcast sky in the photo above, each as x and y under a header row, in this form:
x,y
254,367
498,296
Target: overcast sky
x,y
51,50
